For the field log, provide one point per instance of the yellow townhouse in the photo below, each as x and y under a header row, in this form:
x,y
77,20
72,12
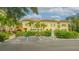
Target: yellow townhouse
x,y
37,24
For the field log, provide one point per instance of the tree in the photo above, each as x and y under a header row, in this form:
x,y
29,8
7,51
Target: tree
x,y
43,25
2,22
37,25
17,12
12,14
74,20
30,23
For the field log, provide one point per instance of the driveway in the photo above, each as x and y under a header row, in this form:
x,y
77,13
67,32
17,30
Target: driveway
x,y
39,44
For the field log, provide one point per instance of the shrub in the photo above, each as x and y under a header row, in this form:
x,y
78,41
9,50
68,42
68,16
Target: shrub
x,y
33,33
19,33
36,33
66,34
45,33
4,36
30,33
26,33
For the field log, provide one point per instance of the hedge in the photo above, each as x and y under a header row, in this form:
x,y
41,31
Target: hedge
x,y
33,33
66,34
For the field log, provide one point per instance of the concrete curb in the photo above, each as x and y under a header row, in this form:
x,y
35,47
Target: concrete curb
x,y
11,37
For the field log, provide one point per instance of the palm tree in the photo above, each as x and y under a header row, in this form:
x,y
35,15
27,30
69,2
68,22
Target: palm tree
x,y
38,25
43,25
30,23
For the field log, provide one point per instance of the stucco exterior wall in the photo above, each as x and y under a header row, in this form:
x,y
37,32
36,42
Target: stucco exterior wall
x,y
49,25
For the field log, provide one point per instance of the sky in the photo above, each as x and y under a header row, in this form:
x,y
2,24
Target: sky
x,y
54,12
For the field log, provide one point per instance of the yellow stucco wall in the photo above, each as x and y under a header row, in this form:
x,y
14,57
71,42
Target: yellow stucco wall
x,y
50,25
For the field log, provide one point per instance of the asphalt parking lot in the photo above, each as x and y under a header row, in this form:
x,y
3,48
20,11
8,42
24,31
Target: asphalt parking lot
x,y
40,44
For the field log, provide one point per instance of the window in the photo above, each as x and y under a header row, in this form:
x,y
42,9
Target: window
x,y
64,29
63,24
53,25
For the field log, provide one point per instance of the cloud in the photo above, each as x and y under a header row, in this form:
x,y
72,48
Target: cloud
x,y
62,11
54,12
33,16
37,16
55,17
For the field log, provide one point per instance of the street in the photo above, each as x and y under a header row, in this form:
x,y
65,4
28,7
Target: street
x,y
42,43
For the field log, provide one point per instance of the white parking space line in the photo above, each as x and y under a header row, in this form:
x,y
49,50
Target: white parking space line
x,y
40,38
27,38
